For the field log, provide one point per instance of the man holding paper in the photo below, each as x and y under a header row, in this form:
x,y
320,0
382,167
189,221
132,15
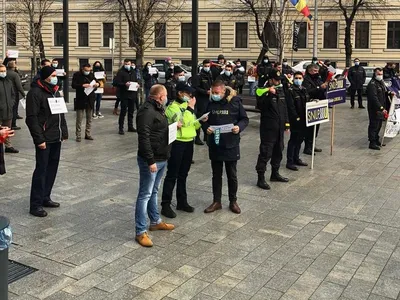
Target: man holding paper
x,y
182,112
85,84
48,129
226,111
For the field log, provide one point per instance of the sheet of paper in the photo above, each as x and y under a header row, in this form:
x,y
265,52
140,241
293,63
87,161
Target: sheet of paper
x,y
60,72
203,117
12,53
99,75
223,128
23,102
99,91
57,105
251,79
153,70
172,131
93,83
89,90
133,86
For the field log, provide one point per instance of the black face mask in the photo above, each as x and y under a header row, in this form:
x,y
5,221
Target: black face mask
x,y
316,75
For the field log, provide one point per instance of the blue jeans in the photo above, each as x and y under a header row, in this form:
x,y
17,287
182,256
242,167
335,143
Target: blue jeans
x,y
252,88
98,100
146,203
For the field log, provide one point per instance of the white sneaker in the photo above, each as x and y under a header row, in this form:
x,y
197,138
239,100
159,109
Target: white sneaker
x,y
100,115
95,116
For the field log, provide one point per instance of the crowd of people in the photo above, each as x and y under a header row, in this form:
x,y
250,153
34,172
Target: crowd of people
x,y
210,104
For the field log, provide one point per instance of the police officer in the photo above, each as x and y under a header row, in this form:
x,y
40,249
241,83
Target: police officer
x,y
202,84
356,76
239,74
274,121
376,97
389,70
216,68
316,89
228,78
263,70
296,100
170,85
286,69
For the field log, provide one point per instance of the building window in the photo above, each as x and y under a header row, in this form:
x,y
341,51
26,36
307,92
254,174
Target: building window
x,y
302,35
186,35
241,35
108,33
83,34
58,34
362,35
330,35
83,61
108,65
213,35
11,34
393,35
270,35
160,35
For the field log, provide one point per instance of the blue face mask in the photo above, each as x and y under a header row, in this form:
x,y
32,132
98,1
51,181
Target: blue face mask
x,y
298,82
228,73
185,98
53,80
182,78
216,97
127,67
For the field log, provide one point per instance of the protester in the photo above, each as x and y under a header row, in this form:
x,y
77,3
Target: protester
x,y
217,68
153,153
48,131
228,78
182,112
170,71
252,78
316,88
324,70
263,70
149,79
170,85
43,63
286,69
82,80
55,65
98,67
377,94
7,97
5,133
225,108
239,74
202,83
296,100
389,71
357,77
126,76
274,121
19,92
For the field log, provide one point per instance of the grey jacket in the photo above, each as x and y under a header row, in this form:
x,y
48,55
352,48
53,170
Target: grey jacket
x,y
16,80
7,97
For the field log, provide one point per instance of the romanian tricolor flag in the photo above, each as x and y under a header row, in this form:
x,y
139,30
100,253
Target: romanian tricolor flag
x,y
301,6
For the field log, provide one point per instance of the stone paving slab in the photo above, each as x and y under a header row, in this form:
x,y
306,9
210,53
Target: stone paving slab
x,y
330,233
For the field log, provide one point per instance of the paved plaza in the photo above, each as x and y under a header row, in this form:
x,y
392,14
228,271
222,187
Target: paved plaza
x,y
330,233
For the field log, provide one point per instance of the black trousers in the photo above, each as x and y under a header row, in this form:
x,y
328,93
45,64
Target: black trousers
x,y
271,148
126,104
117,102
178,169
294,145
308,139
45,173
15,113
240,89
353,96
231,173
374,128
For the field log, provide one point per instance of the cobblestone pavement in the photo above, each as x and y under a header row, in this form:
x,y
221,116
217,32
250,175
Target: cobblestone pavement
x,y
330,233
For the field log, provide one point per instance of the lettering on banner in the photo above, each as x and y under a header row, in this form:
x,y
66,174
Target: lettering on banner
x,y
317,112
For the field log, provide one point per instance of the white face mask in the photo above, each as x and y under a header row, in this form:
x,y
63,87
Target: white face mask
x,y
379,77
266,61
285,63
55,65
3,74
182,78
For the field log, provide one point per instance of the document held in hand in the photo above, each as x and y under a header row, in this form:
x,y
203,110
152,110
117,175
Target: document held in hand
x,y
133,86
90,89
172,132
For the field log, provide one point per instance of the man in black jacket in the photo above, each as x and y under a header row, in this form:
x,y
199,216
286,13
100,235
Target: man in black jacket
x,y
377,94
43,63
126,77
274,121
225,109
19,92
316,88
286,69
216,68
296,100
389,71
85,84
263,70
7,97
202,83
170,85
239,72
48,131
228,78
356,76
153,153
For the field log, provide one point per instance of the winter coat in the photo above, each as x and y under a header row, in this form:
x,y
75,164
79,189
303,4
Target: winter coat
x,y
7,99
83,101
16,80
149,79
376,97
263,70
356,76
296,99
123,76
313,86
230,81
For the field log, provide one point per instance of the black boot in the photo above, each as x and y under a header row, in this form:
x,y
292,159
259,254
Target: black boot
x,y
374,146
275,176
261,183
185,207
167,211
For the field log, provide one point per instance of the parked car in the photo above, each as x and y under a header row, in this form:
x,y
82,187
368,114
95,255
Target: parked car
x,y
301,66
161,72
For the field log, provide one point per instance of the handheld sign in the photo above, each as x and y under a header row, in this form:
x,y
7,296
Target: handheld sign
x,y
336,92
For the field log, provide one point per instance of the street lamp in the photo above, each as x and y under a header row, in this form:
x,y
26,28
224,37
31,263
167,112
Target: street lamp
x,y
195,35
66,49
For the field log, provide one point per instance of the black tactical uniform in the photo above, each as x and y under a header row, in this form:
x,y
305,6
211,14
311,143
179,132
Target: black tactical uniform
x,y
229,80
356,76
263,70
388,72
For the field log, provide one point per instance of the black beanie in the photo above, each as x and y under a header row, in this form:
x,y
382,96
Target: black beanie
x,y
46,72
178,69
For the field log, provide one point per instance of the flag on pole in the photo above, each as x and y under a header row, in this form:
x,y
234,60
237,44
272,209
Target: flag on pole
x,y
301,6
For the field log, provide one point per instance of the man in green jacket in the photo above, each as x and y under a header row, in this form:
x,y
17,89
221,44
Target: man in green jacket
x,y
181,111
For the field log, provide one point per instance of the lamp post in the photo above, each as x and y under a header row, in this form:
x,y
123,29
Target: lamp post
x,y
4,29
66,49
315,39
195,35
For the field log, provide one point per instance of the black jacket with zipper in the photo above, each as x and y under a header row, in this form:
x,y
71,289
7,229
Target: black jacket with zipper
x,y
42,124
83,101
7,99
123,76
152,129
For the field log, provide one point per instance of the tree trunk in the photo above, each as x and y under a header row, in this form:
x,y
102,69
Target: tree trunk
x,y
347,43
41,46
263,51
139,55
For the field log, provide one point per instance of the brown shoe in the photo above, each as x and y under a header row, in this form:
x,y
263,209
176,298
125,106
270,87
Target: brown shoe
x,y
234,207
144,240
162,226
213,207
